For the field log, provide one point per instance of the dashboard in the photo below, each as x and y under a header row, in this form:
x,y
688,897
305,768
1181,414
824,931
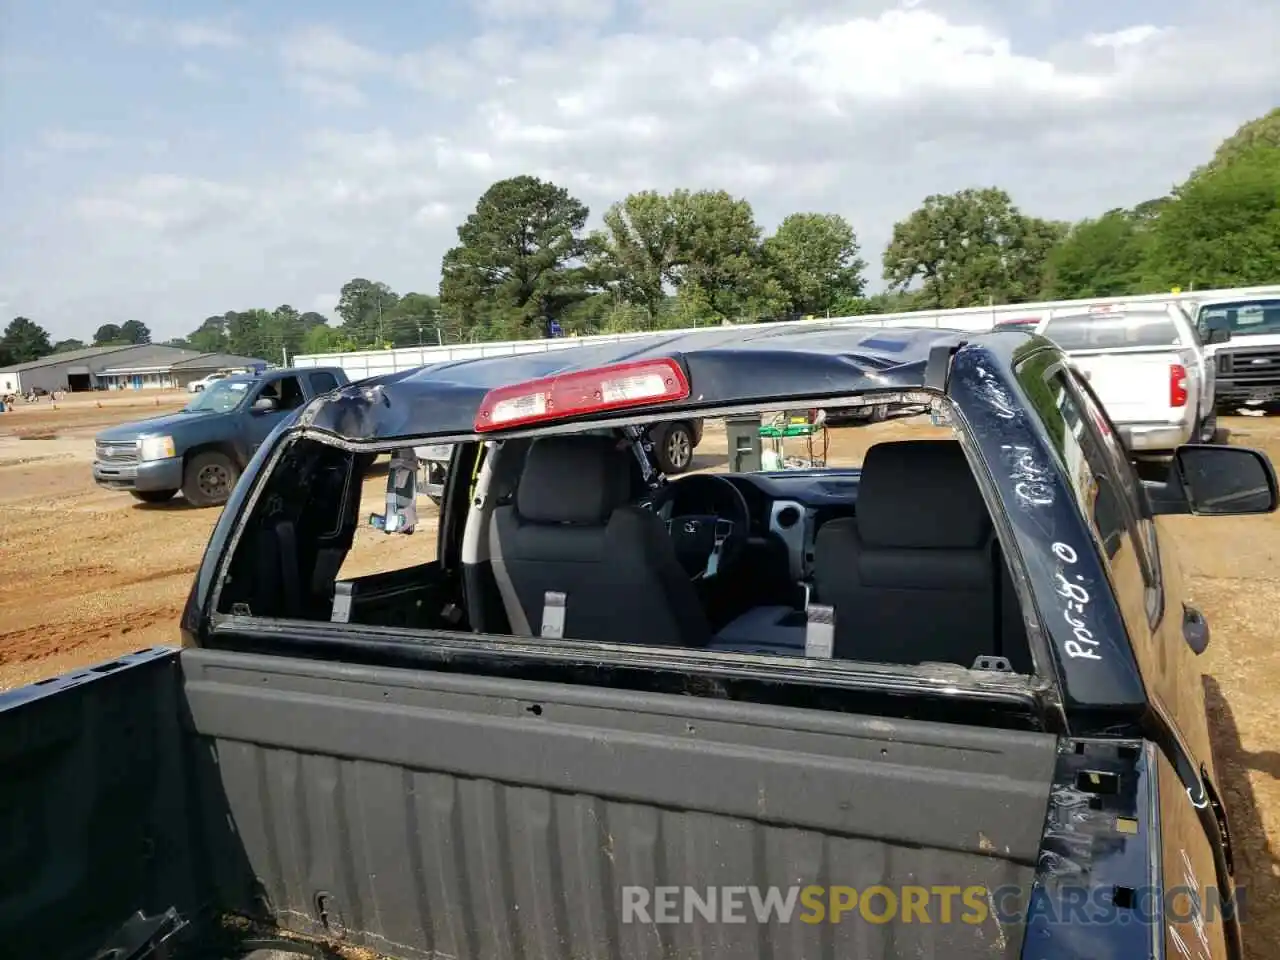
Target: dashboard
x,y
790,505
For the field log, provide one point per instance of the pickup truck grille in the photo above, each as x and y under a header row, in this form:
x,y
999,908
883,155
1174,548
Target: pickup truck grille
x,y
1244,366
119,452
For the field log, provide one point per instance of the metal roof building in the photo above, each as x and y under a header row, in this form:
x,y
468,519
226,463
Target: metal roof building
x,y
135,366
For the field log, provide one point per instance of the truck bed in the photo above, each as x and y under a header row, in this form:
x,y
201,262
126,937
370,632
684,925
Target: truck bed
x,y
1133,382
420,815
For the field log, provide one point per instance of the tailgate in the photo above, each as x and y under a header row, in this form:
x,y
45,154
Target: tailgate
x,y
1134,386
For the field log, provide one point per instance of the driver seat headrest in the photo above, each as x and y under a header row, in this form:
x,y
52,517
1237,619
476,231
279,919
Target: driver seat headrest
x,y
920,494
577,480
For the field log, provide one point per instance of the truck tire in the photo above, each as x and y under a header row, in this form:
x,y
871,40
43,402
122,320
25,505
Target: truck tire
x,y
209,478
675,451
154,496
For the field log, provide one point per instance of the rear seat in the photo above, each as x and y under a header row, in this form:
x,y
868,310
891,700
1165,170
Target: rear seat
x,y
917,575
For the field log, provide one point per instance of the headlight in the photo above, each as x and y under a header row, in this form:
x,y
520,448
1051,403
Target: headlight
x,y
155,448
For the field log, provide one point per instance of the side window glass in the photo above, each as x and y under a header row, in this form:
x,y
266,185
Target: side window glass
x,y
1108,486
290,392
323,382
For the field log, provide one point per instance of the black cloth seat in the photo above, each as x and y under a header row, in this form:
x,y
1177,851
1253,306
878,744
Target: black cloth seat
x,y
916,575
571,531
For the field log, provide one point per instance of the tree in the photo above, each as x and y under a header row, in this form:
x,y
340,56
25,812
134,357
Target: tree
x,y
283,332
1262,131
1099,258
135,331
969,248
413,321
814,257
25,340
719,267
1222,229
63,346
638,252
325,339
247,334
518,258
364,307
108,333
210,336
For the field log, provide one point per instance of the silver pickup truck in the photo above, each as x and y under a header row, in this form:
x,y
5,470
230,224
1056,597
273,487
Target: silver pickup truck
x,y
1148,366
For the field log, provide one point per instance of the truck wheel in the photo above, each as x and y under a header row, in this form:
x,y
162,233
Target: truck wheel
x,y
675,452
209,479
153,496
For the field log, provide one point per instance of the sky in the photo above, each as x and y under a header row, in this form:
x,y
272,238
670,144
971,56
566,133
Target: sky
x,y
169,161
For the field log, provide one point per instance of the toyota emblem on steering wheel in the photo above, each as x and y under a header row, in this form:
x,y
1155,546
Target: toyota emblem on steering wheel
x,y
691,526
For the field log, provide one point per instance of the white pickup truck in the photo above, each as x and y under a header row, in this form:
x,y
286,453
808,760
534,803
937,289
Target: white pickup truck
x,y
1248,368
1147,364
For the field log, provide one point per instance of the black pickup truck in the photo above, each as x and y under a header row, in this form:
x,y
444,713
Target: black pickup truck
x,y
944,704
202,448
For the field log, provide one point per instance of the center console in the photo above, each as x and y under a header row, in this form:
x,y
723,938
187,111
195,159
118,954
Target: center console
x,y
775,631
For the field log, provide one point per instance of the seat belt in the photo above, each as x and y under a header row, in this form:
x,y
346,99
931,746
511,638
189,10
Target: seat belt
x,y
516,617
997,590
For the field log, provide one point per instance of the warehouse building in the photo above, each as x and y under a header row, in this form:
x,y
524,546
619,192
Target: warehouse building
x,y
132,366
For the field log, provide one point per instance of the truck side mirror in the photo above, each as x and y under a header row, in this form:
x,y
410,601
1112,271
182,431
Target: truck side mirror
x,y
1225,481
1217,335
264,405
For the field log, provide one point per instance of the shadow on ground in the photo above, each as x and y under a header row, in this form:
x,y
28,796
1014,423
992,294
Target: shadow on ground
x,y
1257,864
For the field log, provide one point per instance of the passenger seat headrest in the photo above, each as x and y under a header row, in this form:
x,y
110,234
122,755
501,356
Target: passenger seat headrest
x,y
920,494
580,479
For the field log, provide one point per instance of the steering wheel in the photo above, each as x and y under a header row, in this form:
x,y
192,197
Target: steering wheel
x,y
708,519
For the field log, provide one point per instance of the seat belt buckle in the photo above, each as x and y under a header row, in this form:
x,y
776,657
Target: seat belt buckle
x,y
723,530
819,631
341,602
553,606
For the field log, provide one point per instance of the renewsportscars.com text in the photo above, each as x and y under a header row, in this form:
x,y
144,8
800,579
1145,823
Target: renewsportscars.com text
x,y
918,904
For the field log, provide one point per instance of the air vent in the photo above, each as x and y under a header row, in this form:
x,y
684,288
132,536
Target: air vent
x,y
788,517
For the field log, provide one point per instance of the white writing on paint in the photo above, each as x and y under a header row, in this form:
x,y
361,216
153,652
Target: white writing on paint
x,y
1083,646
1032,485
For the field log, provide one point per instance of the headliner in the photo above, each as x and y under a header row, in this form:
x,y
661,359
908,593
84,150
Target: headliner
x,y
727,366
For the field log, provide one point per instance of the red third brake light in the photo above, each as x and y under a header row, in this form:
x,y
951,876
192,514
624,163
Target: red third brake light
x,y
1177,385
582,392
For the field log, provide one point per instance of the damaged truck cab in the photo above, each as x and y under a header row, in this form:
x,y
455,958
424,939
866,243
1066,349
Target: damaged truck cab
x,y
944,704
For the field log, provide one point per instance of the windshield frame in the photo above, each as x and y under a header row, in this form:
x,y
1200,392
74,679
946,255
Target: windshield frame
x,y
1079,323
218,388
1268,327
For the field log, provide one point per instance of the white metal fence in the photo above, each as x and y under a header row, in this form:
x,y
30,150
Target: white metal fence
x,y
372,363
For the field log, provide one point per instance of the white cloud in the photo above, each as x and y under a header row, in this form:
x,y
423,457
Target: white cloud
x,y
198,72
1128,37
73,141
324,49
186,34
326,91
582,11
860,107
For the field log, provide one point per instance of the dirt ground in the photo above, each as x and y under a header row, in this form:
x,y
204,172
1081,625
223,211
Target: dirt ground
x,y
88,574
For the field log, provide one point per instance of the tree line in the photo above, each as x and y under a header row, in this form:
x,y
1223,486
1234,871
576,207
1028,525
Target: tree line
x,y
524,259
